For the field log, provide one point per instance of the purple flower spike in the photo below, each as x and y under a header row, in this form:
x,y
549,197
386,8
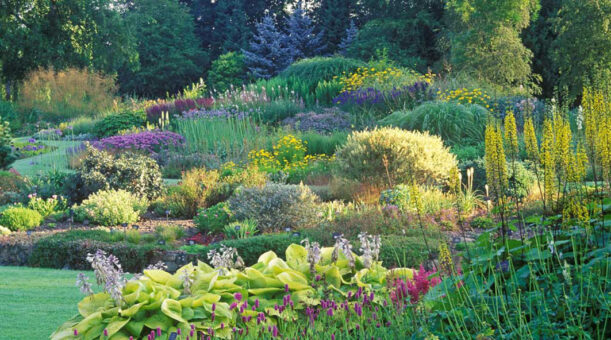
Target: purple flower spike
x,y
105,332
238,296
75,332
158,331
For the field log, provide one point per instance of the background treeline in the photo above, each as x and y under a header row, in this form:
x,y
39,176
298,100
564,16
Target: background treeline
x,y
155,47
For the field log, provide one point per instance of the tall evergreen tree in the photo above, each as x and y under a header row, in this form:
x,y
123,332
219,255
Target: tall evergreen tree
x,y
334,17
268,53
349,38
301,39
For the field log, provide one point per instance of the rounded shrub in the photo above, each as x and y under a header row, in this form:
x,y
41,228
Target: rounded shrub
x,y
112,124
135,173
521,181
213,219
111,207
227,71
6,152
20,218
453,122
276,206
397,156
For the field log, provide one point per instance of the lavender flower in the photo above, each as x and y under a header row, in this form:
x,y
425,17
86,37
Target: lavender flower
x,y
313,253
108,272
370,247
82,281
346,248
150,141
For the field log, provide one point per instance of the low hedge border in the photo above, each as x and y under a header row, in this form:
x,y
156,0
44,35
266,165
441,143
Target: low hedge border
x,y
69,250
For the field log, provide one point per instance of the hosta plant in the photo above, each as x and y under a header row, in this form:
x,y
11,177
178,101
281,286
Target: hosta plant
x,y
222,299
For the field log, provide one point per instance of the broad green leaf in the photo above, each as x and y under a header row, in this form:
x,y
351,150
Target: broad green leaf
x,y
267,257
94,303
172,309
296,255
116,325
158,320
131,311
158,275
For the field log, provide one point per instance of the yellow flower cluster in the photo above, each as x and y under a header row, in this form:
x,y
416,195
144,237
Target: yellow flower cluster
x,y
467,96
530,140
597,121
381,79
511,134
445,259
288,155
496,163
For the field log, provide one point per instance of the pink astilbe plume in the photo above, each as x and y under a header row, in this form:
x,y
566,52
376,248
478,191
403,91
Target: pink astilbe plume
x,y
413,289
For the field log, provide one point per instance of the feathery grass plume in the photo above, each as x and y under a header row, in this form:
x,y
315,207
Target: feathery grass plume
x,y
511,135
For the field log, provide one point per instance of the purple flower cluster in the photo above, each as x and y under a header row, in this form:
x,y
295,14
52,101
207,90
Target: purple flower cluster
x,y
177,107
415,93
360,97
150,141
328,121
218,113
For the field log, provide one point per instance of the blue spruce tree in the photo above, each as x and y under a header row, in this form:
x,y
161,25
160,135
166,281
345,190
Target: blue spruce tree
x,y
268,53
301,39
350,37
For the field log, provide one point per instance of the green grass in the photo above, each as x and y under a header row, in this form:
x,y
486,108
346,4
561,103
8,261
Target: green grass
x,y
56,159
34,301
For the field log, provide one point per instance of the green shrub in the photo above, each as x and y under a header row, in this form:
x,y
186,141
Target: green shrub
x,y
453,122
111,207
317,69
465,153
83,125
277,110
520,184
70,249
6,152
112,124
190,195
227,71
135,173
11,187
397,156
170,233
398,196
19,218
275,206
249,248
318,144
213,219
47,207
133,236
406,251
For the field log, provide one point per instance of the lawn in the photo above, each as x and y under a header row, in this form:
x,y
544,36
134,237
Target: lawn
x,y
35,301
54,160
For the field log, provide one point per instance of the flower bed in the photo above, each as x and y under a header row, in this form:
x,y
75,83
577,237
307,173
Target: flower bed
x,y
149,141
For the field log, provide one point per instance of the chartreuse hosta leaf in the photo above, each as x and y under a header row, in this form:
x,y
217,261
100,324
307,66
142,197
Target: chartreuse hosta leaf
x,y
159,299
